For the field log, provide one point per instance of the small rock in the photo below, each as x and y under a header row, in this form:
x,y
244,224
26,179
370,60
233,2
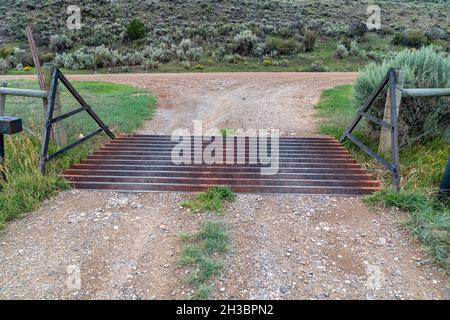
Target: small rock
x,y
382,241
397,273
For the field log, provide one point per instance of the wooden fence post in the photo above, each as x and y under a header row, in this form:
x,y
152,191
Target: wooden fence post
x,y
3,100
58,131
385,146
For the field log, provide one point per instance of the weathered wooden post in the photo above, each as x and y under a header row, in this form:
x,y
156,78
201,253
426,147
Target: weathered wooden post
x,y
37,62
44,76
385,146
58,131
3,99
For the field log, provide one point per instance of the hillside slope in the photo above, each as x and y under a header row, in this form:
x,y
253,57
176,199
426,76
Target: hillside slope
x,y
209,18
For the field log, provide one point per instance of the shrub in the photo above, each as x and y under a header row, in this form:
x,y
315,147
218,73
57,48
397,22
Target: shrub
x,y
267,62
309,40
5,52
232,58
101,34
59,43
354,49
347,42
375,56
21,56
133,58
357,29
106,58
136,29
186,64
245,43
414,39
341,51
4,66
334,28
284,63
160,54
436,32
317,66
150,64
81,59
424,68
188,52
282,46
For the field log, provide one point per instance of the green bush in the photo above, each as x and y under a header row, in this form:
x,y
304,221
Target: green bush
x,y
5,52
106,58
150,64
357,29
267,62
309,40
317,66
341,51
160,54
82,59
59,43
136,29
413,39
245,43
233,58
4,66
354,49
187,51
282,46
424,68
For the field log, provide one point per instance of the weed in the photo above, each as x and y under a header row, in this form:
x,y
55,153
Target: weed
x,y
211,200
197,255
227,132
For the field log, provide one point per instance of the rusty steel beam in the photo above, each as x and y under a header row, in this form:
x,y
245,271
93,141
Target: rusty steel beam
x,y
143,163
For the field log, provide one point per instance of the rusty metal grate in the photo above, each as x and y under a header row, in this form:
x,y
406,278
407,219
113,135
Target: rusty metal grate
x,y
142,163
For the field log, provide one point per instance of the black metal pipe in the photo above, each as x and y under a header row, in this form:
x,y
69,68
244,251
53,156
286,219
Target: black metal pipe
x,y
444,189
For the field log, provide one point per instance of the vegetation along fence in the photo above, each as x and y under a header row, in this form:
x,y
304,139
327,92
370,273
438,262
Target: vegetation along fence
x,y
389,139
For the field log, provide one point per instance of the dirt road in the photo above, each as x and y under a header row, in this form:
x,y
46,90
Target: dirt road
x,y
230,100
126,246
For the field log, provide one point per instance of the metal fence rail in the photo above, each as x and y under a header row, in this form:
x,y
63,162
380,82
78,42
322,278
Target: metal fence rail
x,y
23,93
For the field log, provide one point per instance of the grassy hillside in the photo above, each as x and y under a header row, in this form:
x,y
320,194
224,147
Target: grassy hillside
x,y
213,35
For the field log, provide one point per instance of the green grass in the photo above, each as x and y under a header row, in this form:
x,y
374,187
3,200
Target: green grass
x,y
211,200
227,132
422,166
198,256
122,107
